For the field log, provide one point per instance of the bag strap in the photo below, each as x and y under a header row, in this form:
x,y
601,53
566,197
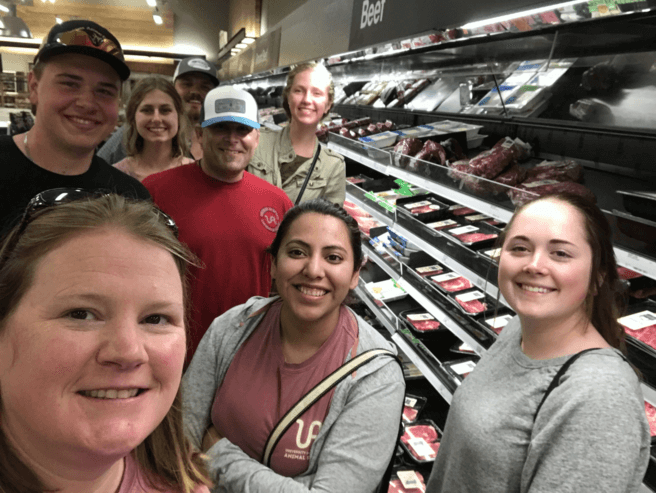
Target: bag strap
x,y
316,393
556,379
307,177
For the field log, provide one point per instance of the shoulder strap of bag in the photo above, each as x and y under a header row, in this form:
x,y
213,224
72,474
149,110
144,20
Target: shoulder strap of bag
x,y
316,393
307,177
556,379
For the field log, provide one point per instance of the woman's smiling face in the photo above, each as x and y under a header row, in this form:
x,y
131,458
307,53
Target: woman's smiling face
x,y
545,263
314,268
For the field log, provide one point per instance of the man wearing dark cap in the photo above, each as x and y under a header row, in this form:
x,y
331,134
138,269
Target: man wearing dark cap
x,y
75,86
194,77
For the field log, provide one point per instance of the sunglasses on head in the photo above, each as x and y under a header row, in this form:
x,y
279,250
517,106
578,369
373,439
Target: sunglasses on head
x,y
58,196
86,37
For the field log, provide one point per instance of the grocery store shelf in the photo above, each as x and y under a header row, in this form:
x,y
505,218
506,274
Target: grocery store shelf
x,y
649,393
374,257
638,263
371,163
380,316
411,352
441,317
371,209
482,206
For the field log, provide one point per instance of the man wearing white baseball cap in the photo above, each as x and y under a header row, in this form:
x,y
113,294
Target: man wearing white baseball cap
x,y
227,216
193,78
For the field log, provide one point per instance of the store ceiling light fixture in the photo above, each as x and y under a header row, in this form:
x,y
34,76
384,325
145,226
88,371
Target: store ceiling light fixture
x,y
4,8
12,26
152,3
157,17
58,19
507,17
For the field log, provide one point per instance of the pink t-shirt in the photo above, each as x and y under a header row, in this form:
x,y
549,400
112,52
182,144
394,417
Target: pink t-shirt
x,y
259,388
135,482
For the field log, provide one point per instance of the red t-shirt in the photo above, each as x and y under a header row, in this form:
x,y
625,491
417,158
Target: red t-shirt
x,y
259,388
228,226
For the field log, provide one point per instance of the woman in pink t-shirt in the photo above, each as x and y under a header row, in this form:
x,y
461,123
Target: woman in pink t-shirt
x,y
258,359
92,346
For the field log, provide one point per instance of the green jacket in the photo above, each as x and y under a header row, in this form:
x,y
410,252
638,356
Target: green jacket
x,y
328,179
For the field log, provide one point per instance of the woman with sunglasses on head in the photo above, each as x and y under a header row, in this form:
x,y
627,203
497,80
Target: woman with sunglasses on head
x,y
258,359
284,158
554,405
158,132
92,346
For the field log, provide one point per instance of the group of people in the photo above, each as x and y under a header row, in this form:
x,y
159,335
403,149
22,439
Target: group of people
x,y
141,349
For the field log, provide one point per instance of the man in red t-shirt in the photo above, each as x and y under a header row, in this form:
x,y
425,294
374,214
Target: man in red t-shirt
x,y
225,215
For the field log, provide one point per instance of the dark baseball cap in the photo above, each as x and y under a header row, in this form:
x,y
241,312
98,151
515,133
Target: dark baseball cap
x,y
196,64
86,38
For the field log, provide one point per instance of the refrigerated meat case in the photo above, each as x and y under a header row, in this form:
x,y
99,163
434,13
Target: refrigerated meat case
x,y
597,112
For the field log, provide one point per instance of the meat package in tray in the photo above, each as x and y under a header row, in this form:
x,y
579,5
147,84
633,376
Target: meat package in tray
x,y
477,236
495,323
460,368
412,407
425,208
421,440
473,303
650,411
407,481
420,322
640,323
451,282
492,254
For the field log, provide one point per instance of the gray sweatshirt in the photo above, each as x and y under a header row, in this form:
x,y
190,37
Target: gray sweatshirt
x,y
355,442
591,434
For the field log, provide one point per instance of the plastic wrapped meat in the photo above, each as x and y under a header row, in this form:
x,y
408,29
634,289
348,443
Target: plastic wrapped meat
x,y
373,129
473,306
525,192
366,223
396,486
409,414
650,411
475,237
423,322
432,152
568,170
386,126
627,274
362,132
646,335
491,163
512,176
453,150
519,149
453,285
354,210
459,169
408,147
421,441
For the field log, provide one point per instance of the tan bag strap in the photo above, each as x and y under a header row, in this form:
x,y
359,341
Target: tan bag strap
x,y
316,393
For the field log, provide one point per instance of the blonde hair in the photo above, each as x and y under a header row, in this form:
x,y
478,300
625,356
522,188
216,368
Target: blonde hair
x,y
166,455
134,142
300,68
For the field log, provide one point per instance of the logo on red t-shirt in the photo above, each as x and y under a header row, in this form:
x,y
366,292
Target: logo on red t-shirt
x,y
270,219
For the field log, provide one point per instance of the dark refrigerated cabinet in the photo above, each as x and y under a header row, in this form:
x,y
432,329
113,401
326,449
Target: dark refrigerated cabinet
x,y
582,91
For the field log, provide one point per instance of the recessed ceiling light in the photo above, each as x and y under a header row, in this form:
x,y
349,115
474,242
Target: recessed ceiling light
x,y
151,3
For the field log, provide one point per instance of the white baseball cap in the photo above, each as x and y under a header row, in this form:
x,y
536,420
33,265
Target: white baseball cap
x,y
229,104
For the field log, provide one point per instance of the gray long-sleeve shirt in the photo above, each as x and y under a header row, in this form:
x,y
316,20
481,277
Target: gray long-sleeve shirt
x,y
357,437
591,434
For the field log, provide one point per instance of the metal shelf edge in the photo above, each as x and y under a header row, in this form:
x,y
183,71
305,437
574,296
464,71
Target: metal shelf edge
x,y
371,163
636,262
649,393
371,210
427,372
362,294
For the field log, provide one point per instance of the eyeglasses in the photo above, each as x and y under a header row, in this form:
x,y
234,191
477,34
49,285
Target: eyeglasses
x,y
86,37
59,196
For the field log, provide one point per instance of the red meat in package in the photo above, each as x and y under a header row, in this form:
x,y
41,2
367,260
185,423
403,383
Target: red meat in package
x,y
475,237
423,322
471,302
568,170
641,326
452,282
519,150
432,152
489,164
354,210
421,441
627,274
530,189
396,485
650,411
459,169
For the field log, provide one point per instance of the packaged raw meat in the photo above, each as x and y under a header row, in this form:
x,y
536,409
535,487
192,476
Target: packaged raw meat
x,y
460,369
627,274
373,129
491,163
354,210
511,177
642,326
423,322
407,147
498,323
473,302
530,189
429,270
459,169
453,150
520,149
432,152
366,223
473,238
407,482
452,282
650,411
447,223
568,170
421,441
412,407
461,210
